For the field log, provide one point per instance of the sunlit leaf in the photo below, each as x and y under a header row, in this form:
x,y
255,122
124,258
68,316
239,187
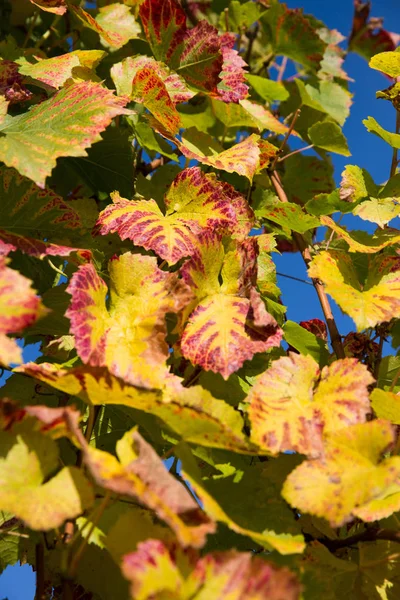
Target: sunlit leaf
x,y
306,342
56,71
393,139
132,331
329,136
368,304
386,405
386,62
293,405
268,89
164,24
64,125
195,202
228,322
361,241
356,184
117,20
350,476
232,87
224,575
201,59
378,210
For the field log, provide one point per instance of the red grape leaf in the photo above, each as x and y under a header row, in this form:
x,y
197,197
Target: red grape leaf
x,y
164,24
201,60
232,87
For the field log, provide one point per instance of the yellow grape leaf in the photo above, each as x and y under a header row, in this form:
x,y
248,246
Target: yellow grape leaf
x,y
351,479
57,7
242,158
264,118
3,108
19,308
194,202
157,570
386,405
227,323
375,301
115,24
30,458
140,473
129,337
361,241
293,404
191,413
378,210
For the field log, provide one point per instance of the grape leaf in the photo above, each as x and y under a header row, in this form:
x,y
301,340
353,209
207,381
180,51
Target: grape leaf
x,y
64,125
149,90
288,215
124,72
361,241
9,242
350,480
164,24
318,403
386,62
11,83
378,210
56,71
242,158
268,89
57,7
375,301
329,136
393,139
19,308
356,184
195,202
141,474
227,322
306,342
117,20
232,87
386,405
222,575
201,59
141,295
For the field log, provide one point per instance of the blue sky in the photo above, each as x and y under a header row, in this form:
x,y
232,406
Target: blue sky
x,y
368,151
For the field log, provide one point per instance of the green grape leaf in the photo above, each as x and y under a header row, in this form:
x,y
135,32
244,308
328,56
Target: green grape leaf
x,y
292,34
72,121
194,203
306,342
330,98
361,241
224,575
375,301
268,89
329,136
393,139
356,184
288,215
351,479
318,403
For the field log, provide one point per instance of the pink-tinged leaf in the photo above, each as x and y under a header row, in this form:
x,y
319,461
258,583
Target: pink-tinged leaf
x,y
141,474
58,7
293,405
141,295
229,575
195,202
56,71
232,87
242,158
123,73
201,60
149,90
19,308
164,24
64,125
9,242
111,37
227,323
11,83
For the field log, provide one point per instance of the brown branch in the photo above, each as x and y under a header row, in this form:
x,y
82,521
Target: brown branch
x,y
393,166
40,579
369,535
301,244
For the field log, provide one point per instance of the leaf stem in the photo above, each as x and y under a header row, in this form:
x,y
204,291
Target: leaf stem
x,y
282,158
40,579
369,535
301,244
77,556
285,139
393,166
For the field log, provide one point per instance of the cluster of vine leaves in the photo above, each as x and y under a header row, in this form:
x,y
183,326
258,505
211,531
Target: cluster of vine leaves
x,y
167,444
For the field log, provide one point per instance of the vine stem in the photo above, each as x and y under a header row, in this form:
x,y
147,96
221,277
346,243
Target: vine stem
x,y
40,579
393,166
77,556
285,139
301,244
369,535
